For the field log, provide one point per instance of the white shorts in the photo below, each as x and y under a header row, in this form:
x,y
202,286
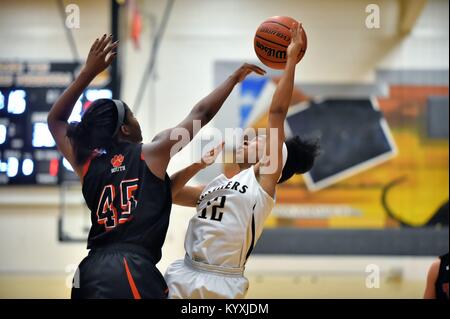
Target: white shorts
x,y
188,279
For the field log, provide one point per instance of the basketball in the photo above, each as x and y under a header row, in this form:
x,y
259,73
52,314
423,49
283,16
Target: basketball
x,y
272,39
150,152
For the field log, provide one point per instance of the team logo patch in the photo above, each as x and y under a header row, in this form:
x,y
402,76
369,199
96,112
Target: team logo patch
x,y
116,162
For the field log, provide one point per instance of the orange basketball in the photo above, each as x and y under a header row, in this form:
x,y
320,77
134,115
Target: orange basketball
x,y
272,39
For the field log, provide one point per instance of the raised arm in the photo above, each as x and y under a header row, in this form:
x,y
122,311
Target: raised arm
x,y
271,163
188,195
166,144
99,58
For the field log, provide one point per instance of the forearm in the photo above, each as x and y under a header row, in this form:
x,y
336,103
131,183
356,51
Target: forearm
x,y
283,93
275,127
170,141
211,104
180,178
188,196
63,107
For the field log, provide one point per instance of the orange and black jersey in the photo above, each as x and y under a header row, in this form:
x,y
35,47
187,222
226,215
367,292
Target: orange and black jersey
x,y
128,203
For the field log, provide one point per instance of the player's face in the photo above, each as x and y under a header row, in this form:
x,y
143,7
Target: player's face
x,y
133,128
251,150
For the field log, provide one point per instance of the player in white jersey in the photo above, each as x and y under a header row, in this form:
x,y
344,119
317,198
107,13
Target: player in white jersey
x,y
231,211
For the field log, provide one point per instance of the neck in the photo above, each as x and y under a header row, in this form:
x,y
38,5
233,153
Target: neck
x,y
123,138
236,168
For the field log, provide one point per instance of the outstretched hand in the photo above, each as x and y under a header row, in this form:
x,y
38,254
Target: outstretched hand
x,y
246,69
296,44
101,55
210,157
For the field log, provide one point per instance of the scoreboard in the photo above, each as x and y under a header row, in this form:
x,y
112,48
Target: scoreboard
x,y
28,153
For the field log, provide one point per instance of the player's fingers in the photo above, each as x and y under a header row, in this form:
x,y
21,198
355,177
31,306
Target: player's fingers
x,y
104,43
110,47
215,150
259,70
300,30
111,57
256,69
219,148
100,42
293,26
294,31
94,45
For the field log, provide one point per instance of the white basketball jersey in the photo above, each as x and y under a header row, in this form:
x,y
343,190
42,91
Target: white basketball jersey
x,y
229,220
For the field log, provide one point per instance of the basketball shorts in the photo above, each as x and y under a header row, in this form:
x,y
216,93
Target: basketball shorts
x,y
188,279
118,271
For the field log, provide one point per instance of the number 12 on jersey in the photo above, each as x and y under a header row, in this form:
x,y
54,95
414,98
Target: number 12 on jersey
x,y
216,203
107,213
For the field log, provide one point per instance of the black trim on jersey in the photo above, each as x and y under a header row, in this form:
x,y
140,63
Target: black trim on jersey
x,y
253,234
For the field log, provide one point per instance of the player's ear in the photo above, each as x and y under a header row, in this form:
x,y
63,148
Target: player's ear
x,y
125,130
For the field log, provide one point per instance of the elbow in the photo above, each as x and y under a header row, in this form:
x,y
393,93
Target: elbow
x,y
203,114
51,117
50,121
206,117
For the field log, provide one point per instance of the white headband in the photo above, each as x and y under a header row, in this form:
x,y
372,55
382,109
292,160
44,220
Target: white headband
x,y
285,154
